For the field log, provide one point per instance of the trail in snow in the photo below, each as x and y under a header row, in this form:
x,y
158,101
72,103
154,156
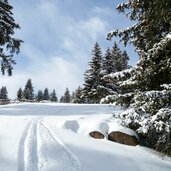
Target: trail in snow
x,y
53,154
27,153
21,147
40,149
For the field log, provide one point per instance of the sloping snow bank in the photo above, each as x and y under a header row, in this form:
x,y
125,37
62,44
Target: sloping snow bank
x,y
32,140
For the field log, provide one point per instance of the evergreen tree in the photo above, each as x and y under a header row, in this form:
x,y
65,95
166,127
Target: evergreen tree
x,y
152,22
121,92
46,95
113,62
66,97
92,77
61,99
87,86
108,63
28,92
39,96
3,93
77,96
151,36
117,58
53,96
72,97
8,44
151,71
124,61
20,94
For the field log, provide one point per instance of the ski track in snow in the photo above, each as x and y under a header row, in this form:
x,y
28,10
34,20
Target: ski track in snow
x,y
40,149
21,147
27,152
55,155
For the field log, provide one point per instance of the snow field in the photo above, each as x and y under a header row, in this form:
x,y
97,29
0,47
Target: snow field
x,y
55,137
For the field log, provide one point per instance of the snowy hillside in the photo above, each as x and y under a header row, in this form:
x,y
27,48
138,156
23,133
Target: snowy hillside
x,y
55,137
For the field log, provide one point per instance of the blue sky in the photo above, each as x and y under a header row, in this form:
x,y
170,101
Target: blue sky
x,y
58,38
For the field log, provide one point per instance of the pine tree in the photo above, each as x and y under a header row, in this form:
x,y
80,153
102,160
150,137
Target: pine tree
x,y
77,96
117,58
125,59
20,94
28,92
114,61
92,77
66,97
152,22
151,36
39,96
108,63
87,86
121,93
53,97
61,99
72,97
8,44
46,95
3,93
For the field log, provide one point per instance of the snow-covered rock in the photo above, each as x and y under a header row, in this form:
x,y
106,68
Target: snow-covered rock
x,y
123,138
96,135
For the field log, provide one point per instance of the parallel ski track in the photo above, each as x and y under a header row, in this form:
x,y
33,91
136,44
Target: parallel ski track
x,y
28,154
75,163
27,151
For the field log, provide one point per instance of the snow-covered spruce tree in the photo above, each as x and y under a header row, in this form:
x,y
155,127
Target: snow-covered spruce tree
x,y
152,22
39,96
87,87
77,96
117,58
46,95
124,60
72,96
108,63
28,93
8,44
107,67
124,87
53,97
61,99
3,93
66,98
113,61
92,77
20,94
150,35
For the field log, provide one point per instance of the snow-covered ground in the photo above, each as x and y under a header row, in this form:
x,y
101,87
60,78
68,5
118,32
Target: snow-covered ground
x,y
54,137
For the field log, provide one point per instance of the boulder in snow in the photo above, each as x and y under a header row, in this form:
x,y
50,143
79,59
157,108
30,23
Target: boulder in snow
x,y
123,138
97,135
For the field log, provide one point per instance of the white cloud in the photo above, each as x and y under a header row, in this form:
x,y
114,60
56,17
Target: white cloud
x,y
81,36
56,73
57,46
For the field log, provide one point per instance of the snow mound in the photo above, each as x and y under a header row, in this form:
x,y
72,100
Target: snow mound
x,y
119,128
